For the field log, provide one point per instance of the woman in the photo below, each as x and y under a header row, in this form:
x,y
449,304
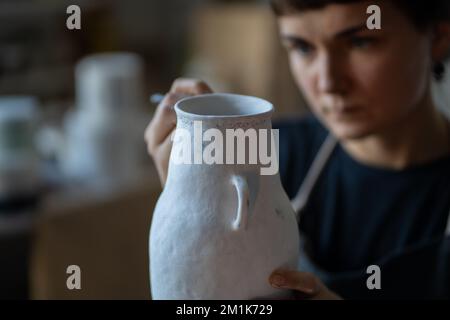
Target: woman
x,y
382,195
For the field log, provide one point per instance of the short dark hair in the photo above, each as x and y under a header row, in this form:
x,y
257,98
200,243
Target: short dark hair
x,y
422,13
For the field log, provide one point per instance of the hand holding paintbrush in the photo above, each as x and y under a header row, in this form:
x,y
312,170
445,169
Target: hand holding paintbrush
x,y
160,128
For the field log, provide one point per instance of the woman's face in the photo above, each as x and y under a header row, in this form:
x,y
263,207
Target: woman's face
x,y
358,81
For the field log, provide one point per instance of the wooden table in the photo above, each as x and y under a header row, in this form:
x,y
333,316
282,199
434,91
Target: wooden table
x,y
102,229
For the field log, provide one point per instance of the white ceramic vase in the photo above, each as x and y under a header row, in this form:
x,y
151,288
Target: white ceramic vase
x,y
220,230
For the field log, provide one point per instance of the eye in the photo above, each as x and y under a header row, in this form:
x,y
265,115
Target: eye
x,y
361,42
303,48
295,44
300,47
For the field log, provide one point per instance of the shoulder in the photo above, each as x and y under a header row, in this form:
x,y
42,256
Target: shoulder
x,y
299,141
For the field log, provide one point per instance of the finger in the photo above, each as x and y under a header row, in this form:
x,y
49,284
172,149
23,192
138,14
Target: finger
x,y
163,122
163,158
165,118
190,86
302,281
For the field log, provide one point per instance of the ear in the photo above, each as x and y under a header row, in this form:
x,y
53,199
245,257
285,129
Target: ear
x,y
441,41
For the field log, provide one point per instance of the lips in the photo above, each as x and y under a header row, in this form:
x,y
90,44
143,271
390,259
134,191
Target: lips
x,y
337,106
339,109
347,109
343,113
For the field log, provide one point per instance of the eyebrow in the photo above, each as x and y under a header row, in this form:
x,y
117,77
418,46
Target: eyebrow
x,y
350,31
341,34
293,39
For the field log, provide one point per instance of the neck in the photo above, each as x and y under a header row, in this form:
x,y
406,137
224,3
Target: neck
x,y
421,137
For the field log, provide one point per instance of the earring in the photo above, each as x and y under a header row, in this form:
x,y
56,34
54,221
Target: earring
x,y
438,71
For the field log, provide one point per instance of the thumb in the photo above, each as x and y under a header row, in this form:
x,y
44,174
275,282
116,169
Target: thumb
x,y
301,281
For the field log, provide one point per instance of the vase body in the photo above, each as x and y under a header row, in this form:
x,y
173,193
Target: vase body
x,y
220,230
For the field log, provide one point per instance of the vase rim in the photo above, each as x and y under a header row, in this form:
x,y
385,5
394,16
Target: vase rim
x,y
232,107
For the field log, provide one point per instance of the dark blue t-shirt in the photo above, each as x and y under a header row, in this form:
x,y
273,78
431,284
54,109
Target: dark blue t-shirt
x,y
359,215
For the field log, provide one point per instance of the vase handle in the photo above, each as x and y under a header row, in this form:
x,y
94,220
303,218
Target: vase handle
x,y
240,183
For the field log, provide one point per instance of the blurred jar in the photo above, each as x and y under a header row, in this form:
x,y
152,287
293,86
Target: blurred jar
x,y
104,133
109,86
19,159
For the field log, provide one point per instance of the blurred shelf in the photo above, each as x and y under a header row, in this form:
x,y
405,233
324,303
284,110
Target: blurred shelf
x,y
44,81
78,196
17,223
41,10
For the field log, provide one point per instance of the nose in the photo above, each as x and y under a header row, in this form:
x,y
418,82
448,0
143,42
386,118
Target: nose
x,y
331,77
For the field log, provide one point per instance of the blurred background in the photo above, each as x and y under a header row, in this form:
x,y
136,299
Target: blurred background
x,y
76,184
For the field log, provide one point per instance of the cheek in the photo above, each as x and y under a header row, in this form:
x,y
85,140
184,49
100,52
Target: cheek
x,y
393,86
410,82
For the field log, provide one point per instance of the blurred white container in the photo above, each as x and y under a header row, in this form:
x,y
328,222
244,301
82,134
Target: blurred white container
x,y
104,134
19,160
109,85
